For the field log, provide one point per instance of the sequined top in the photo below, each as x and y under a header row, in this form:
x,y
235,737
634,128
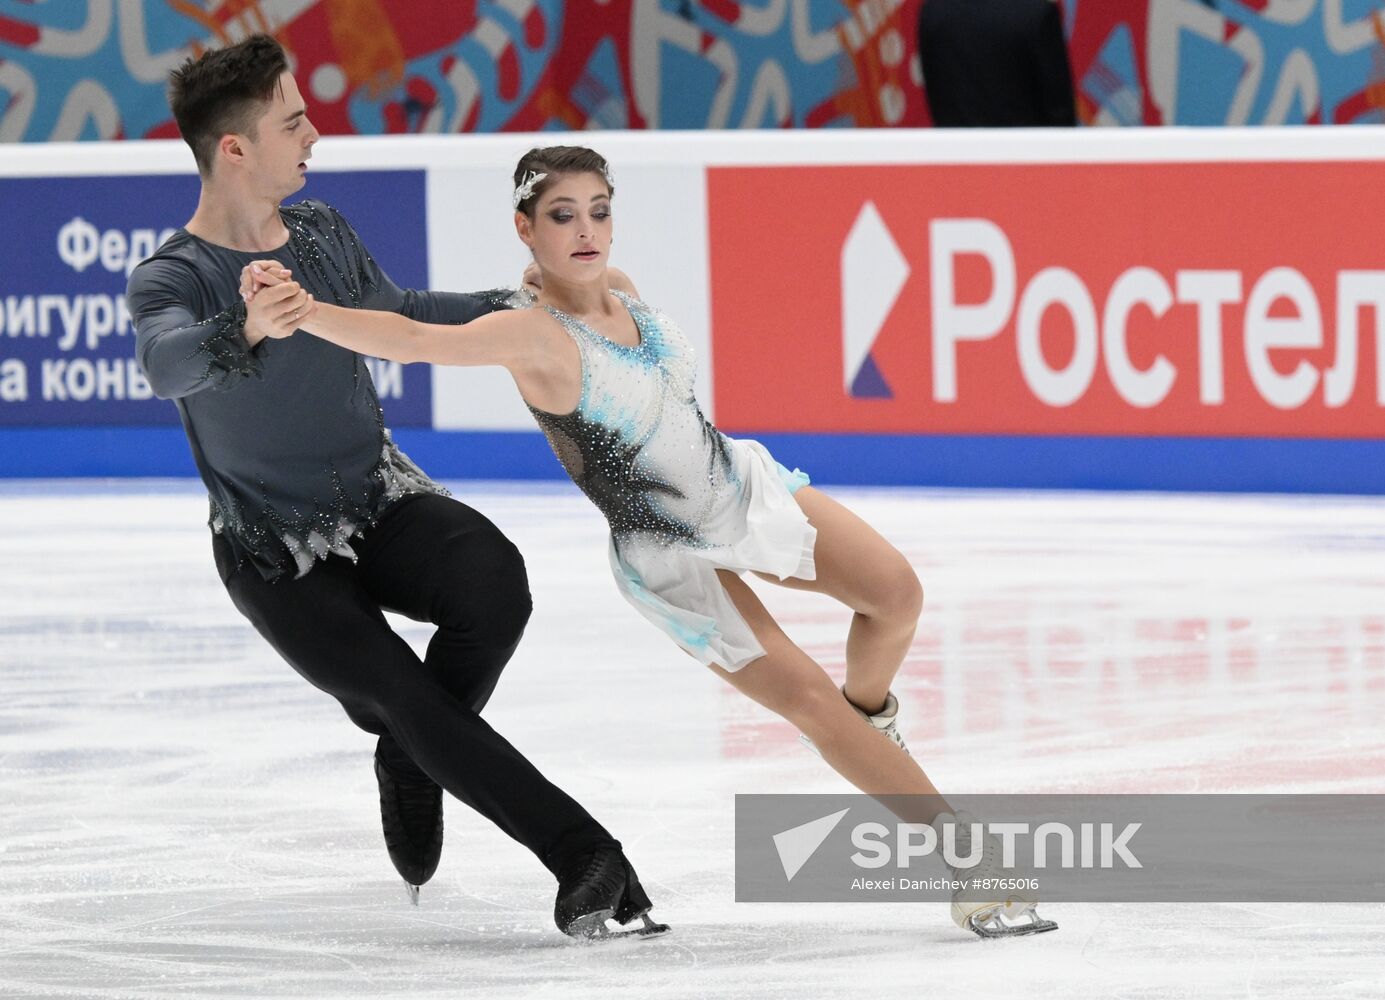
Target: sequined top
x,y
288,436
637,444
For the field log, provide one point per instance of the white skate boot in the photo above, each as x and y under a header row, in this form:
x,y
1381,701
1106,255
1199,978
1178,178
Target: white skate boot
x,y
989,905
884,721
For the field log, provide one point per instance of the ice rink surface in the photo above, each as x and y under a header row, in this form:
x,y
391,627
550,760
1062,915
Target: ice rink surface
x,y
182,816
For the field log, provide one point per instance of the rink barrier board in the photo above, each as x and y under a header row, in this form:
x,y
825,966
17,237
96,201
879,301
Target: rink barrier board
x,y
867,412
1095,463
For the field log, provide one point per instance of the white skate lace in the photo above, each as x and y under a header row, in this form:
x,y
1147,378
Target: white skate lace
x,y
892,731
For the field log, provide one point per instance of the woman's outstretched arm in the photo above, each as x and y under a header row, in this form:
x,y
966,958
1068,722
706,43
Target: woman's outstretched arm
x,y
494,339
503,338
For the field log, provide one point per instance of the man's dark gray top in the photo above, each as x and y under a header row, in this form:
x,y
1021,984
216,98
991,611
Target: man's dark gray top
x,y
288,435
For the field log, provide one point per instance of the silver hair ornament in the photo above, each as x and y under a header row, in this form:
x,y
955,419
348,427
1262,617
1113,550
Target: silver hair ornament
x,y
526,186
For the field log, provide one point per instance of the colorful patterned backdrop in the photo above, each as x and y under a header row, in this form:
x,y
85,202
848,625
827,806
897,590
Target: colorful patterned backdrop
x,y
95,68
1228,62
88,69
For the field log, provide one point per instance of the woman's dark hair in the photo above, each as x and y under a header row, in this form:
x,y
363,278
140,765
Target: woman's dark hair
x,y
557,161
224,91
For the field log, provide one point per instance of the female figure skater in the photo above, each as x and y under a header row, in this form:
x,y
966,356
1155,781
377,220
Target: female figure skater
x,y
610,381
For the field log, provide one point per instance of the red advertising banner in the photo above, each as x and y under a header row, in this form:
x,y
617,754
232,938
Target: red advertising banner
x,y
1172,299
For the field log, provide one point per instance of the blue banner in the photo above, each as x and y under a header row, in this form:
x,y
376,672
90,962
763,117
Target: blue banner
x,y
67,347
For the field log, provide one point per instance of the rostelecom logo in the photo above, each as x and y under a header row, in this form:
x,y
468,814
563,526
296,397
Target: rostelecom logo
x,y
874,272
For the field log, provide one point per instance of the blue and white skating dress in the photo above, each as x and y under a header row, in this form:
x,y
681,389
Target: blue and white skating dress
x,y
682,499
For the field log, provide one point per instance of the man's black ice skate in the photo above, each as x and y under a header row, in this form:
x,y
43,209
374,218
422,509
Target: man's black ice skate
x,y
602,886
410,814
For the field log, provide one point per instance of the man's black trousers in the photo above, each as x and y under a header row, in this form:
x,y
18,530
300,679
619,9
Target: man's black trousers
x,y
436,560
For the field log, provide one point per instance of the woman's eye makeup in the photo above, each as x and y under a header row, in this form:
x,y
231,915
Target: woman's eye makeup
x,y
564,215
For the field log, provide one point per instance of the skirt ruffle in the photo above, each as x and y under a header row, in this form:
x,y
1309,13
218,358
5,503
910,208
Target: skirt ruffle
x,y
676,586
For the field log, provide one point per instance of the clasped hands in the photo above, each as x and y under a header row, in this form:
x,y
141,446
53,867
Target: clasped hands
x,y
275,304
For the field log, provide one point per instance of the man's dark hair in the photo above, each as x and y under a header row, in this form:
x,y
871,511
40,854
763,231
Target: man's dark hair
x,y
224,91
556,162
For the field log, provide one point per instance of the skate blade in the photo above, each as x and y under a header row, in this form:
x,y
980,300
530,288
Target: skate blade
x,y
649,930
589,925
991,926
592,928
412,890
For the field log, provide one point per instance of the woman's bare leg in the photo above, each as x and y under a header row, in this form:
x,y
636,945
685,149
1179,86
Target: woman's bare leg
x,y
787,681
870,576
791,684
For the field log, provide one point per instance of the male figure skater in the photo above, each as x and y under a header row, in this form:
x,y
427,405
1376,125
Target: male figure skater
x,y
319,521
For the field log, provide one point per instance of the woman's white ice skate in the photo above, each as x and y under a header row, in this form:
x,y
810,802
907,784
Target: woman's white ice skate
x,y
993,903
885,721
